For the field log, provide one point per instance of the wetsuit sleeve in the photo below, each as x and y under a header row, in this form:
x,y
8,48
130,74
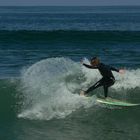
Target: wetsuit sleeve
x,y
114,69
89,66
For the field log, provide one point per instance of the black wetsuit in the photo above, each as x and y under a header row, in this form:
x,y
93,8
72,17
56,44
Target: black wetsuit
x,y
107,79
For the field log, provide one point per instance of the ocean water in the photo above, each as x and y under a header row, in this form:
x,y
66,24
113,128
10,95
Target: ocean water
x,y
41,75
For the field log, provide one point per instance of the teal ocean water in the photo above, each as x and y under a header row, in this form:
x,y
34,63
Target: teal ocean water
x,y
41,75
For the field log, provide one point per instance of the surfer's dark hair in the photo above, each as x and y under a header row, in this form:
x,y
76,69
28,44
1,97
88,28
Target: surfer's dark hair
x,y
95,60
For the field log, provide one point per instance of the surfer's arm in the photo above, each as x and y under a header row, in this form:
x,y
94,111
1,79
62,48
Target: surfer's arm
x,y
114,69
121,71
89,66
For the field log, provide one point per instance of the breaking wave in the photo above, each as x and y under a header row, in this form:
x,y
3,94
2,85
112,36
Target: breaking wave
x,y
50,87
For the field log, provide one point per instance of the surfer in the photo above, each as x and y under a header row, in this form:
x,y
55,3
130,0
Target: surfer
x,y
107,76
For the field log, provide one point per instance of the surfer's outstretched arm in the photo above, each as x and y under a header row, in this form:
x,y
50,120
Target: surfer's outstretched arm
x,y
114,69
89,66
121,71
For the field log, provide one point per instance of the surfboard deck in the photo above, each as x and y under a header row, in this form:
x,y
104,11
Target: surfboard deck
x,y
114,102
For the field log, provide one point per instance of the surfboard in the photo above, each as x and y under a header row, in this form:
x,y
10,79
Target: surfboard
x,y
114,102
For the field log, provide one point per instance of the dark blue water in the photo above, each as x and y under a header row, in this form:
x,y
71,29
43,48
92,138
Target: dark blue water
x,y
40,53
70,18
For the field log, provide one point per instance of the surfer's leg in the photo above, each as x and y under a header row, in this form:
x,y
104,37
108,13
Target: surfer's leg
x,y
96,85
105,90
107,84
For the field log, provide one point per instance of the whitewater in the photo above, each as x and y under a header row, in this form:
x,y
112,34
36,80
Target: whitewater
x,y
51,87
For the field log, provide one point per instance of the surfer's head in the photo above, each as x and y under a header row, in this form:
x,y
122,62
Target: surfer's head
x,y
95,61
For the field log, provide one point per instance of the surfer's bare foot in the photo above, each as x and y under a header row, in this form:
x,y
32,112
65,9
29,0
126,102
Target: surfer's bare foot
x,y
107,98
82,93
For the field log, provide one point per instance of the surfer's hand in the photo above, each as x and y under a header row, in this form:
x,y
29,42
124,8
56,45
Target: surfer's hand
x,y
121,71
82,62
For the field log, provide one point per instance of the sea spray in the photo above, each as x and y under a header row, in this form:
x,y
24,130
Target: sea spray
x,y
129,80
45,89
51,87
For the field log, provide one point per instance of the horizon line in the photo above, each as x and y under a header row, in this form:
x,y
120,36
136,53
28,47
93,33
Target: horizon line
x,y
66,5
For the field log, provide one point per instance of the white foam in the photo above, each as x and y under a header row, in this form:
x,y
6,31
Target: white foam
x,y
129,80
46,87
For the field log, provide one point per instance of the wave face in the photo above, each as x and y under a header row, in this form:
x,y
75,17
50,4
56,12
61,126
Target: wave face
x,y
22,48
50,88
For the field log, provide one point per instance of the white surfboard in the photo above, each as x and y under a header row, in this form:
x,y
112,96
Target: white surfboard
x,y
115,102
